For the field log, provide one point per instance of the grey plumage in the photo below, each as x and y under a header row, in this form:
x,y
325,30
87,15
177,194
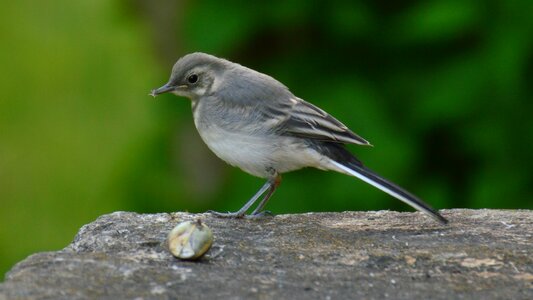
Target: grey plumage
x,y
252,121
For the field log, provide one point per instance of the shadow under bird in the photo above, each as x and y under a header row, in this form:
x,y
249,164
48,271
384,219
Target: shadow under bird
x,y
252,121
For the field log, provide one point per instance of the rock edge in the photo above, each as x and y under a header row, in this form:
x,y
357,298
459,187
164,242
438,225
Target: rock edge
x,y
481,254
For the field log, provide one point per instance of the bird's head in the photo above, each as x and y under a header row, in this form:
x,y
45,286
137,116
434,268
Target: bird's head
x,y
193,76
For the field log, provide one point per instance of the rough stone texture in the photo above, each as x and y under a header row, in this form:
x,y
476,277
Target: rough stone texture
x,y
481,254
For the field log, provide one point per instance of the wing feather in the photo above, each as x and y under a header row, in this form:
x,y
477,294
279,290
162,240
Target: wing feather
x,y
304,119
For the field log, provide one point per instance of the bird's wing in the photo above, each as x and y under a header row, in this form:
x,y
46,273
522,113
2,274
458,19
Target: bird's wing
x,y
271,105
303,119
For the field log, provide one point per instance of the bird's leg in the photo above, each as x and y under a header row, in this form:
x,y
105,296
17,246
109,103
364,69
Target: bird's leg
x,y
241,212
258,211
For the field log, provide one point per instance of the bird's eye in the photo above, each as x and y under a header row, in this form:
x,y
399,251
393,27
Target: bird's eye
x,y
193,78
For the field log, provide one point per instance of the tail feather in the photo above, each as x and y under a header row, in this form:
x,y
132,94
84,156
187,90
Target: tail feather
x,y
341,160
368,176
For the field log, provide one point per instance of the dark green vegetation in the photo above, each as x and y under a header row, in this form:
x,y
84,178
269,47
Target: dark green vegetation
x,y
442,89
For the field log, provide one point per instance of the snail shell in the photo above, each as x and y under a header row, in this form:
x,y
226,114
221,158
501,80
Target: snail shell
x,y
190,240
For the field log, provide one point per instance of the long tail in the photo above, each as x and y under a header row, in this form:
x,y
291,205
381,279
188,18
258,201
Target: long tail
x,y
346,163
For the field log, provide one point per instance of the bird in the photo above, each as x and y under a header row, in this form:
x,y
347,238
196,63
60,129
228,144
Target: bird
x,y
252,121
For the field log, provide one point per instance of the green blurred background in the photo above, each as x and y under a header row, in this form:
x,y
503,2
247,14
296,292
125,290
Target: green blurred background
x,y
442,88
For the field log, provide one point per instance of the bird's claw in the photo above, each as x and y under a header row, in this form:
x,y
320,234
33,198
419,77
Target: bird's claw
x,y
239,215
232,215
260,214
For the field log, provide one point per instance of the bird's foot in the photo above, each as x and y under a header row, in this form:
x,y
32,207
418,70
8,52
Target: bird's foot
x,y
230,215
239,215
261,214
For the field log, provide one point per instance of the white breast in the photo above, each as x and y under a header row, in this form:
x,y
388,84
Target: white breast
x,y
257,153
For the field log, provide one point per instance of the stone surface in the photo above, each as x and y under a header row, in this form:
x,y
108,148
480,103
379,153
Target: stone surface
x,y
481,254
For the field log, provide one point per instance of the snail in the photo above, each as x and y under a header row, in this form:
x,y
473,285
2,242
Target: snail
x,y
190,240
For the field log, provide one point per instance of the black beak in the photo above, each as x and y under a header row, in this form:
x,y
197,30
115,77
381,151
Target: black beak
x,y
164,89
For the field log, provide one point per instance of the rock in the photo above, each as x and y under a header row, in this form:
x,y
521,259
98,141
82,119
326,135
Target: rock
x,y
481,254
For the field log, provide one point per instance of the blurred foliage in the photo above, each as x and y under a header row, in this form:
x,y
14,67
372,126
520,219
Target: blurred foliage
x,y
442,89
